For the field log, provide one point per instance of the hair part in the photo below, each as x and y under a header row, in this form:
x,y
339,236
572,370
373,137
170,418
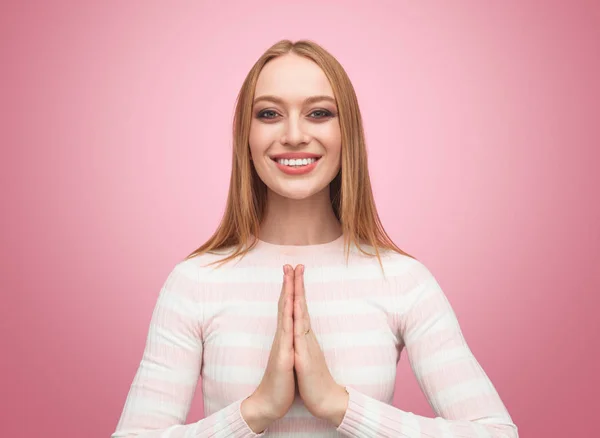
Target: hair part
x,y
350,191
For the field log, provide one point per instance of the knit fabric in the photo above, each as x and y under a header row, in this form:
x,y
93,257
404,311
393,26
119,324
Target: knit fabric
x,y
218,325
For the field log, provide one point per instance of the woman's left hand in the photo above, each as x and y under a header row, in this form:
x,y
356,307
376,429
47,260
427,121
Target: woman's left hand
x,y
322,396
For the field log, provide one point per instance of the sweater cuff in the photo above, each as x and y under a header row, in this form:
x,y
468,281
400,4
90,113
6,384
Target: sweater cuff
x,y
241,428
356,420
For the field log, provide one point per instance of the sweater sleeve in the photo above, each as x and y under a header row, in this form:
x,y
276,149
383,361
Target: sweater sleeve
x,y
465,402
160,396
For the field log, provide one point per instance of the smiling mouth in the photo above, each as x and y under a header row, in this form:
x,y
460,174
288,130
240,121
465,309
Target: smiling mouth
x,y
296,162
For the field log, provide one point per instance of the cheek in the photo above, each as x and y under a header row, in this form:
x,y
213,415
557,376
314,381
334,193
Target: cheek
x,y
262,129
258,139
332,139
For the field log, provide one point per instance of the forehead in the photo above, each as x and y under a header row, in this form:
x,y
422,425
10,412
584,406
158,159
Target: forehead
x,y
293,78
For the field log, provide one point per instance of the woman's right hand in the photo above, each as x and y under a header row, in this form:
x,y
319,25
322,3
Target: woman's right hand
x,y
275,394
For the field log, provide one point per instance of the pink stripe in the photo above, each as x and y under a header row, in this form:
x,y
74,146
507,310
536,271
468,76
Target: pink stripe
x,y
322,324
175,322
475,407
433,343
449,375
270,292
174,358
159,390
258,357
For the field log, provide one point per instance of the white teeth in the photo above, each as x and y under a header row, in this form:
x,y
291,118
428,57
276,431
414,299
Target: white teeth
x,y
296,162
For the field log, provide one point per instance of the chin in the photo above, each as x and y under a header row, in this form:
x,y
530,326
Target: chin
x,y
295,189
296,194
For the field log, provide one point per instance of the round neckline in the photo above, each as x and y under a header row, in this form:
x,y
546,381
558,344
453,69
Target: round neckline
x,y
336,244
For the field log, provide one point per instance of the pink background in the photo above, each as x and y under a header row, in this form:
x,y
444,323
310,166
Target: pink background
x,y
482,121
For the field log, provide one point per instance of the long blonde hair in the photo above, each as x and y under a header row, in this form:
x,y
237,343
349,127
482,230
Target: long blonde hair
x,y
350,191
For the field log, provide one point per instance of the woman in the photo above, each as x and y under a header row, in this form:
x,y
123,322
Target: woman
x,y
311,351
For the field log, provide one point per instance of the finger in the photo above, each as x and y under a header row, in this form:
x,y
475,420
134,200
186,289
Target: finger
x,y
280,303
288,325
301,320
287,341
299,338
300,294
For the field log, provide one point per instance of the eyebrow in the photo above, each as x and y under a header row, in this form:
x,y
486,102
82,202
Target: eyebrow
x,y
307,101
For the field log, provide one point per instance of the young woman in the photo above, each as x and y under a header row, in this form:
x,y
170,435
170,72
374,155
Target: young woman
x,y
311,351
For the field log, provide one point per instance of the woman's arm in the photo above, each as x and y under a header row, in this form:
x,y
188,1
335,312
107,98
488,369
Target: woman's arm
x,y
465,401
162,390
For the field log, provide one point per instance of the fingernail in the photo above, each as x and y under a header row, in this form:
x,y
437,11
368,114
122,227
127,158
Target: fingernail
x,y
302,269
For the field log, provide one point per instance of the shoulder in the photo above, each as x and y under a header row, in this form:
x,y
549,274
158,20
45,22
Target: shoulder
x,y
187,268
187,277
403,271
395,261
205,266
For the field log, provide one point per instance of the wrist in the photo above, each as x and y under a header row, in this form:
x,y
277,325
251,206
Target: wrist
x,y
338,405
252,411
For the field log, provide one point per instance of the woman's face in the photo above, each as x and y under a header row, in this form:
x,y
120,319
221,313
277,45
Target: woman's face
x,y
286,123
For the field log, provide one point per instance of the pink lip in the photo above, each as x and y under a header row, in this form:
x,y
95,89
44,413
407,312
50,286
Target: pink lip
x,y
296,171
292,155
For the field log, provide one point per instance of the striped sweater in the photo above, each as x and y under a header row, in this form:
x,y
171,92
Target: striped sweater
x,y
218,324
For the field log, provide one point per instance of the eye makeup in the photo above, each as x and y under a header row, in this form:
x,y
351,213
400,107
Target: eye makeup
x,y
325,114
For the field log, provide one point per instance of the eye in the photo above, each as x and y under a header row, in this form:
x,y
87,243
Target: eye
x,y
324,112
261,115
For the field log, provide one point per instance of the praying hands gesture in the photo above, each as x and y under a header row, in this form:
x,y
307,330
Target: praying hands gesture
x,y
296,351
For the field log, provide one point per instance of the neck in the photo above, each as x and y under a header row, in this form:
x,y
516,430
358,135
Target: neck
x,y
308,221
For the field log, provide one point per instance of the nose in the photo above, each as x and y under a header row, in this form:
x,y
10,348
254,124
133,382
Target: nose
x,y
294,134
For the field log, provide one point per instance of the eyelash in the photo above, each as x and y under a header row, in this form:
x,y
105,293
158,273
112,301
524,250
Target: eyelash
x,y
326,112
